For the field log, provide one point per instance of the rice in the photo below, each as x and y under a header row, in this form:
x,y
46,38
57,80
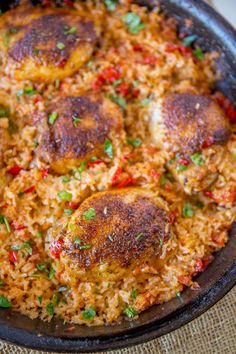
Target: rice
x,y
35,284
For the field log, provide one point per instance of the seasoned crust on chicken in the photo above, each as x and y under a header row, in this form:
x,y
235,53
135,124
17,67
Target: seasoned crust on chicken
x,y
45,44
193,130
79,131
186,123
111,233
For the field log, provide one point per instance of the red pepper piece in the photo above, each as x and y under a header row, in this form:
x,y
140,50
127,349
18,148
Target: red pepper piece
x,y
184,279
44,173
37,99
110,74
56,248
217,239
149,59
183,162
116,176
73,205
17,227
69,3
123,89
14,170
171,48
29,190
62,62
207,143
155,174
199,265
138,48
208,194
172,216
135,92
13,256
126,182
94,163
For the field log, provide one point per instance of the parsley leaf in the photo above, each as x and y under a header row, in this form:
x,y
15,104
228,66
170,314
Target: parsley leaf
x,y
65,196
130,312
135,142
89,214
111,4
89,313
4,302
108,148
187,211
52,118
133,22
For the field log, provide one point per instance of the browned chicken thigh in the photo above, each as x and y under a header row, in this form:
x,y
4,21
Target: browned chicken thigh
x,y
112,233
73,129
193,131
44,44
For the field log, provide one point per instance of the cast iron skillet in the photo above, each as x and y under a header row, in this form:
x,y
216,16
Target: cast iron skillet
x,y
215,282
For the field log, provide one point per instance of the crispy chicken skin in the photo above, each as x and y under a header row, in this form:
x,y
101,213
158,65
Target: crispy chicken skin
x,y
128,228
79,131
45,44
186,126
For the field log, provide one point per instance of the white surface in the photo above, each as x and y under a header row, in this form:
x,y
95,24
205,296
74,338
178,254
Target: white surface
x,y
227,8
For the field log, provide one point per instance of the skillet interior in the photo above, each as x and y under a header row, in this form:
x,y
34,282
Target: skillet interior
x,y
214,282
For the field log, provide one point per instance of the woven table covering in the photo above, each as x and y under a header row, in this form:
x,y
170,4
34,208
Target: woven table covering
x,y
212,333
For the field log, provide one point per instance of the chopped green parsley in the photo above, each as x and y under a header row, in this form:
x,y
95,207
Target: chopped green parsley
x,y
89,313
108,148
51,119
130,312
133,22
89,214
187,211
65,196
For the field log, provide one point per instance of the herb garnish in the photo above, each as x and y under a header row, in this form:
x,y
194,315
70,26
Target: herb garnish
x,y
53,116
187,211
111,4
61,45
89,214
135,142
4,220
130,312
187,41
133,22
4,302
65,196
108,148
89,313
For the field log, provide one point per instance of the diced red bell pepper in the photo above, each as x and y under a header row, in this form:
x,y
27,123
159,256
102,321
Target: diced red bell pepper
x,y
13,256
155,174
110,74
44,173
123,89
56,248
208,194
172,216
217,239
138,48
126,182
29,190
184,279
94,163
62,62
14,170
73,205
171,48
207,143
183,162
17,227
37,99
116,176
69,3
149,59
135,92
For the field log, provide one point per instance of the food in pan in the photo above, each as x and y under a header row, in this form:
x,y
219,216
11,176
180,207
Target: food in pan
x,y
117,156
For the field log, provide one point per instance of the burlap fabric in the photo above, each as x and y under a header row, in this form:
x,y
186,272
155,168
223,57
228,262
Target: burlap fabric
x,y
212,333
